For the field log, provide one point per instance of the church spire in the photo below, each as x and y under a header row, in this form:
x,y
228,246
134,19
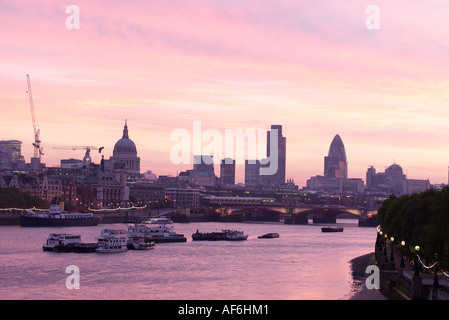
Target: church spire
x,y
125,131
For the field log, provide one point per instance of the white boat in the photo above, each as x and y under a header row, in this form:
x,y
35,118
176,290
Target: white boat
x,y
140,243
61,239
157,232
234,235
159,220
112,240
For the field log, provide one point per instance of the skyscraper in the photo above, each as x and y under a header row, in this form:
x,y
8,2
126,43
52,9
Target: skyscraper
x,y
279,176
252,176
203,163
10,154
335,164
227,172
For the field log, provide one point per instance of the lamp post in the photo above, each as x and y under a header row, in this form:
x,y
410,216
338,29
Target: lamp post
x,y
416,273
391,253
378,245
435,277
378,237
402,254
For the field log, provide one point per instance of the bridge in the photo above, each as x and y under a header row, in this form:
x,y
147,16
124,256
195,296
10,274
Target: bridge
x,y
258,208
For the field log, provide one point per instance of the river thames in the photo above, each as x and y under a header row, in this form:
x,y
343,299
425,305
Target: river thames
x,y
303,263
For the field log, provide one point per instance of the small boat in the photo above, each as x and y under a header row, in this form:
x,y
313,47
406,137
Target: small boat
x,y
112,240
269,235
332,229
60,240
140,243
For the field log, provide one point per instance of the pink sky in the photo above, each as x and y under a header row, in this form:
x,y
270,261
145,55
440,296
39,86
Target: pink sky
x,y
311,66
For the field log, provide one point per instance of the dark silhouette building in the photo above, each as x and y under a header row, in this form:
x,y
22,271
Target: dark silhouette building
x,y
335,164
394,181
335,178
124,157
227,172
252,173
279,176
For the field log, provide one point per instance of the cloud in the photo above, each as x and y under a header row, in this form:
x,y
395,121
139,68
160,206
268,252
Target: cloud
x,y
312,66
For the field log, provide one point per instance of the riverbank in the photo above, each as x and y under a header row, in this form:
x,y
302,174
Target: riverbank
x,y
359,289
124,216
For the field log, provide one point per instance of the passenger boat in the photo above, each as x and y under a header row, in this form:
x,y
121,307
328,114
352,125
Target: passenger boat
x,y
225,235
112,240
77,247
332,229
269,235
234,235
55,217
156,230
140,243
60,240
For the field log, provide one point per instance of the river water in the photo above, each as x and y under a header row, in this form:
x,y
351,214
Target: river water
x,y
303,263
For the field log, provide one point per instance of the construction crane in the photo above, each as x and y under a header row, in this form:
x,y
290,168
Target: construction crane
x,y
37,142
87,157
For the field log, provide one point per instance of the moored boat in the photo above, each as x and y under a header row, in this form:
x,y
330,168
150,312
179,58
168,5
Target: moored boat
x,y
208,236
140,243
225,235
235,235
269,235
55,217
60,240
332,229
112,241
156,230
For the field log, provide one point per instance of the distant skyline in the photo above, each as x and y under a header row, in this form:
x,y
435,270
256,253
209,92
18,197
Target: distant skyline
x,y
311,66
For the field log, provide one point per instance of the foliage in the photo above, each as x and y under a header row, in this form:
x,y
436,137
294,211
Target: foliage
x,y
13,198
419,219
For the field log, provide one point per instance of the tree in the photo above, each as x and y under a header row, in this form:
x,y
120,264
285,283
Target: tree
x,y
420,219
13,198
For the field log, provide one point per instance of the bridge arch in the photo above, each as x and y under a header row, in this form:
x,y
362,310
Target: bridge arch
x,y
298,215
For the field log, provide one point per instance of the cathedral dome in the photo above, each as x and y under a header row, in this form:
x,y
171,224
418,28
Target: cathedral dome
x,y
125,145
395,168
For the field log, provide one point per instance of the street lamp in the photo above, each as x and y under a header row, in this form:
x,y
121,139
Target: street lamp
x,y
378,238
391,253
435,277
402,254
416,273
